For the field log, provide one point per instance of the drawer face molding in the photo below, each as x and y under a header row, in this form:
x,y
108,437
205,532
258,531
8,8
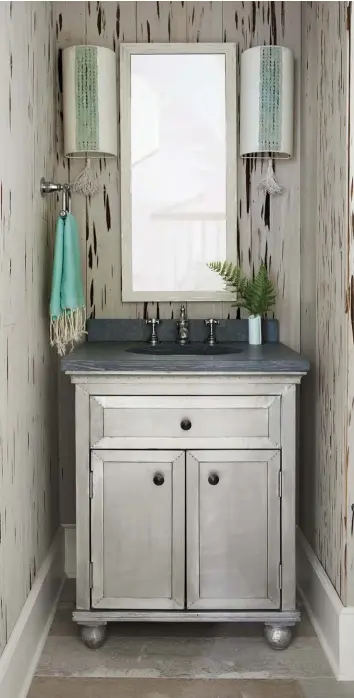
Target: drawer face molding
x,y
243,421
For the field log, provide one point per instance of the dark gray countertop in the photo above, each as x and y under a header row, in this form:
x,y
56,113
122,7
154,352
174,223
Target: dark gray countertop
x,y
107,356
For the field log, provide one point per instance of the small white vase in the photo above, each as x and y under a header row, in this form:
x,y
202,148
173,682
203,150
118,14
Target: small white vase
x,y
254,329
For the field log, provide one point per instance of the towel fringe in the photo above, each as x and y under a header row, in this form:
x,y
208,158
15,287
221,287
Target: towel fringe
x,y
68,328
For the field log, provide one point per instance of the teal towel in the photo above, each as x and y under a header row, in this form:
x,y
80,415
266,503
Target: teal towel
x,y
67,303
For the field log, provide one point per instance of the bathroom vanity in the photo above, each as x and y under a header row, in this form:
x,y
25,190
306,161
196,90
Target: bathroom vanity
x,y
185,476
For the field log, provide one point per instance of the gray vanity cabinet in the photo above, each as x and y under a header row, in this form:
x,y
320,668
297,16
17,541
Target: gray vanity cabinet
x,y
186,500
233,530
138,529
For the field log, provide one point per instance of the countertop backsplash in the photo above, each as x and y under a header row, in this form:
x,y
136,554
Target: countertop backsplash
x,y
138,331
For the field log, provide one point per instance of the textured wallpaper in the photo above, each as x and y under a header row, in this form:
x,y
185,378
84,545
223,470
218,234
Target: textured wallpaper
x,y
28,376
324,283
267,228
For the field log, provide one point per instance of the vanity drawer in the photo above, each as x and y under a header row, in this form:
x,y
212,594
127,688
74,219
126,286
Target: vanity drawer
x,y
243,421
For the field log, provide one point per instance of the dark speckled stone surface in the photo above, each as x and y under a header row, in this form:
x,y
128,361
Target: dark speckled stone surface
x,y
138,331
98,357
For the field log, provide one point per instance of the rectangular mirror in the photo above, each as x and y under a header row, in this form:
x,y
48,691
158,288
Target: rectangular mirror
x,y
178,169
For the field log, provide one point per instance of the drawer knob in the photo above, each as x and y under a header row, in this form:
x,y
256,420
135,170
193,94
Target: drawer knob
x,y
213,479
186,424
158,479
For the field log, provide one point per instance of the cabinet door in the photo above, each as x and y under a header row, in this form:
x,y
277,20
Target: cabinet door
x,y
138,529
233,530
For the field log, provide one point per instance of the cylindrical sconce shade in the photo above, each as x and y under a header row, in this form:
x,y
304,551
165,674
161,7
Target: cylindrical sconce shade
x,y
267,99
89,102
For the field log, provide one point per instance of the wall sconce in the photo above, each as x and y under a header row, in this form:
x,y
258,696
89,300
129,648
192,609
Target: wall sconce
x,y
89,108
267,107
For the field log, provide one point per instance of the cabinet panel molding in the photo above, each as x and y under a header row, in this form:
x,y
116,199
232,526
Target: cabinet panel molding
x,y
233,530
137,529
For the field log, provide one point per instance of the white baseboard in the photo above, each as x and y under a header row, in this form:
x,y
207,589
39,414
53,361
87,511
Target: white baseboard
x,y
333,622
70,550
22,652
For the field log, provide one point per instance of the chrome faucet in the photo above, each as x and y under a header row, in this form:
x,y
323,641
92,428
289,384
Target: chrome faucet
x,y
182,327
154,338
211,339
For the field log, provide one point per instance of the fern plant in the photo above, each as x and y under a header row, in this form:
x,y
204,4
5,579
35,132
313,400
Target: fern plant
x,y
257,295
232,275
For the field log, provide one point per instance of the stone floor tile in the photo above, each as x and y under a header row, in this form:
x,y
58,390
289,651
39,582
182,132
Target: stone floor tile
x,y
161,688
327,688
69,593
220,658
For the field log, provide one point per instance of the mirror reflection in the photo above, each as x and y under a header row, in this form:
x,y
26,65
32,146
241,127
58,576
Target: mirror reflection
x,y
178,171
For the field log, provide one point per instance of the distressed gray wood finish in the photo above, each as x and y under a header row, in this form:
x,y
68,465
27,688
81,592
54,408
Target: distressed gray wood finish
x,y
184,384
138,529
116,393
28,414
241,513
325,287
277,617
267,228
82,417
288,421
216,422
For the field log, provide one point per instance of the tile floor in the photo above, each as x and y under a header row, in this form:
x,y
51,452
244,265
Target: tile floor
x,y
181,661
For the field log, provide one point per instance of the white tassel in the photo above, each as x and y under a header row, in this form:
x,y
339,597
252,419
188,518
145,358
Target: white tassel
x,y
68,328
86,182
270,183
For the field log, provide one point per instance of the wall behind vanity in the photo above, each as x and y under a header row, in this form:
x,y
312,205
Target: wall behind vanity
x,y
268,229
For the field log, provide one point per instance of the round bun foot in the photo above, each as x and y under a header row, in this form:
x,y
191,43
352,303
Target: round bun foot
x,y
278,636
93,636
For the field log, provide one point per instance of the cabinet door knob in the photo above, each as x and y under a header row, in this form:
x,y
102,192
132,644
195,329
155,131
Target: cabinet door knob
x,y
186,424
158,479
213,479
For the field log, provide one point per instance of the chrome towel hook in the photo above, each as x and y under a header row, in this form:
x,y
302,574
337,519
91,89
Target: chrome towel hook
x,y
52,187
65,200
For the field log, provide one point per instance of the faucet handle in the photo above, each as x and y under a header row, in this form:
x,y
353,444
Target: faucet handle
x,y
211,339
153,322
183,312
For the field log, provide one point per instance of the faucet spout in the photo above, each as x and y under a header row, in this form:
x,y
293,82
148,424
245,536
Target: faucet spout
x,y
182,327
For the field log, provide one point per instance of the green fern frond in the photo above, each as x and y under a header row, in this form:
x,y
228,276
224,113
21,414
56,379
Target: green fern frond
x,y
256,295
230,273
259,294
